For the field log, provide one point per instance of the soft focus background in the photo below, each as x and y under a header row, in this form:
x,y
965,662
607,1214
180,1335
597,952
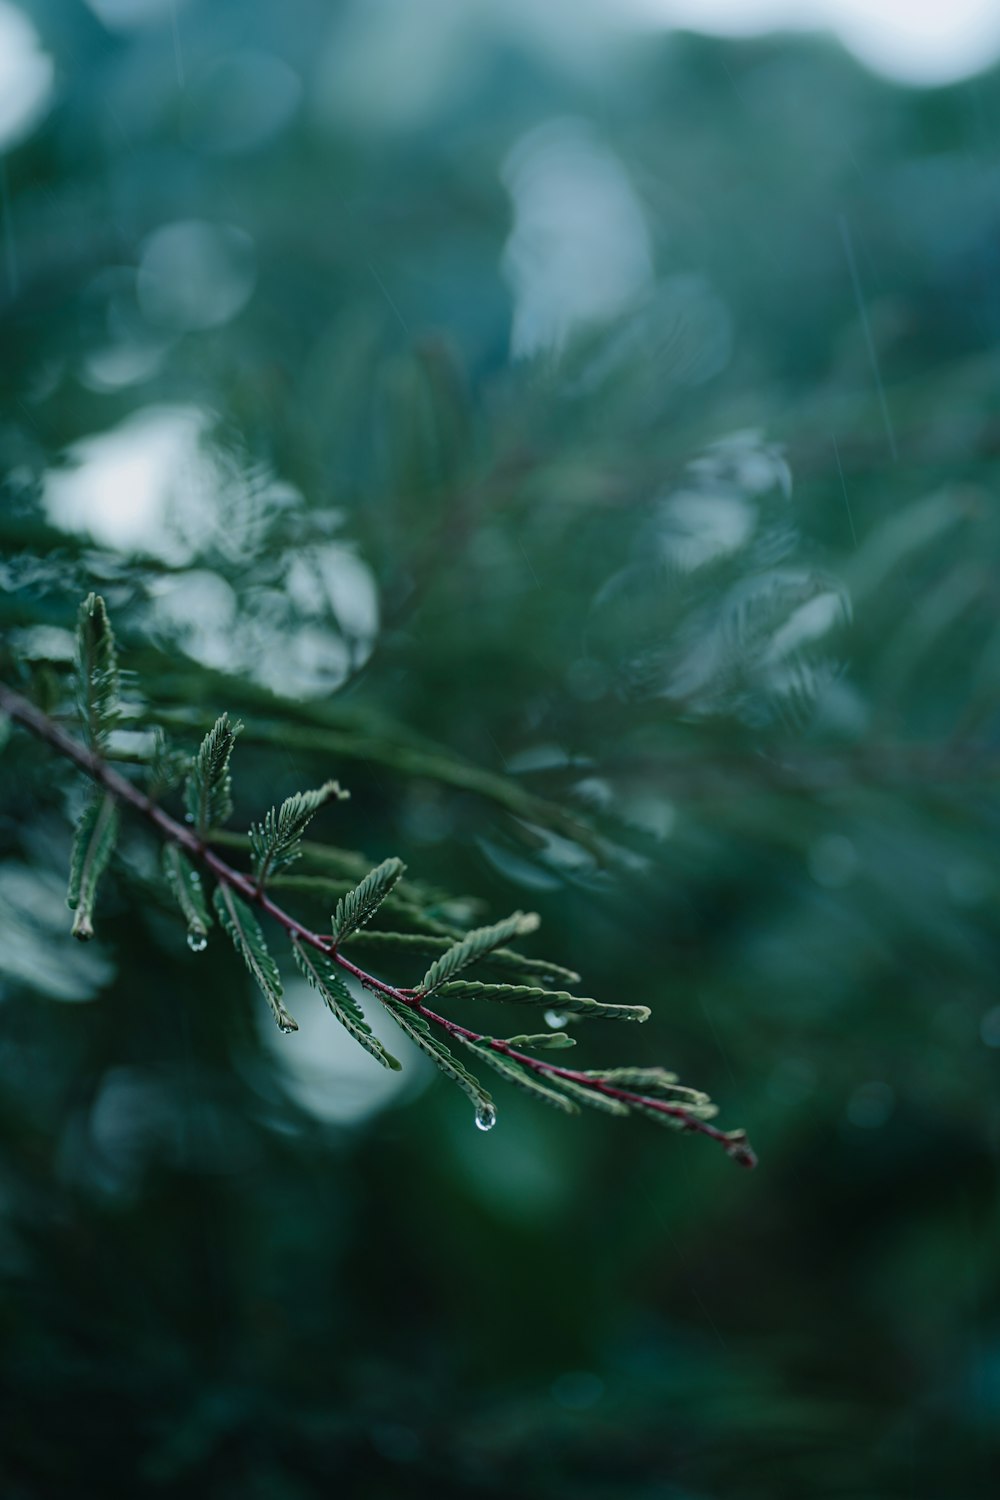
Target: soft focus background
x,y
580,436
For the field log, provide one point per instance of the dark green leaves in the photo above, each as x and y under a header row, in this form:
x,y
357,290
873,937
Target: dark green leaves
x,y
657,1083
208,793
361,904
166,766
656,1086
592,1097
497,960
275,842
96,671
428,917
522,1077
248,940
475,945
680,1112
185,883
417,1029
557,1000
93,844
324,976
544,1041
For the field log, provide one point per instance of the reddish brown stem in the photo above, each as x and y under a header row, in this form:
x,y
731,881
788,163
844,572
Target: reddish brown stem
x,y
25,713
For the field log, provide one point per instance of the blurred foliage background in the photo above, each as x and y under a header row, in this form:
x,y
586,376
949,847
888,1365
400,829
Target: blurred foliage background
x,y
582,442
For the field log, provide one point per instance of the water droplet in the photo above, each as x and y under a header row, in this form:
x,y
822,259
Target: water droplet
x,y
197,941
555,1019
486,1117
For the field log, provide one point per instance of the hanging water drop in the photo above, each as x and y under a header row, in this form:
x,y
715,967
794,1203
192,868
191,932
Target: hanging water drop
x,y
486,1117
555,1019
287,1027
197,941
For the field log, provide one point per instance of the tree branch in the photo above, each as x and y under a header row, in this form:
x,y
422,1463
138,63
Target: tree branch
x,y
22,712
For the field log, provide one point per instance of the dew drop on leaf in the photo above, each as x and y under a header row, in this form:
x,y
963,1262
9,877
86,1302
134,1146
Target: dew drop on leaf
x,y
486,1117
555,1019
197,942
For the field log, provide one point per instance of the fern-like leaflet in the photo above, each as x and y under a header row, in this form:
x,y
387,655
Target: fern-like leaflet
x,y
275,843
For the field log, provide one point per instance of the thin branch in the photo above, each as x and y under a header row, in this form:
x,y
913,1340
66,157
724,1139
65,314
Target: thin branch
x,y
21,711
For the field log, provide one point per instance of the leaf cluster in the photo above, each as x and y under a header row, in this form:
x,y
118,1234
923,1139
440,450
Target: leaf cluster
x,y
97,686
208,793
361,903
277,841
96,672
93,845
456,955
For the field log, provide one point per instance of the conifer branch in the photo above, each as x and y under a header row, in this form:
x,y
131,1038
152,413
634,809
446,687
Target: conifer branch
x,y
608,1089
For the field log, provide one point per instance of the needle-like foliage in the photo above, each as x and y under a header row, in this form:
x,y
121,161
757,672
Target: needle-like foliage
x,y
325,977
248,940
167,766
97,679
93,845
186,885
580,1006
275,842
513,1072
361,904
497,960
418,1030
208,793
476,945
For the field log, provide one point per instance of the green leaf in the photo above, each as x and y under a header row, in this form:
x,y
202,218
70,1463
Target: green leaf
x,y
591,1097
704,1111
669,1122
521,1077
657,1083
93,844
248,940
500,960
185,883
97,684
417,1029
544,1041
332,872
208,793
166,766
527,994
361,904
475,945
275,842
323,974
327,888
